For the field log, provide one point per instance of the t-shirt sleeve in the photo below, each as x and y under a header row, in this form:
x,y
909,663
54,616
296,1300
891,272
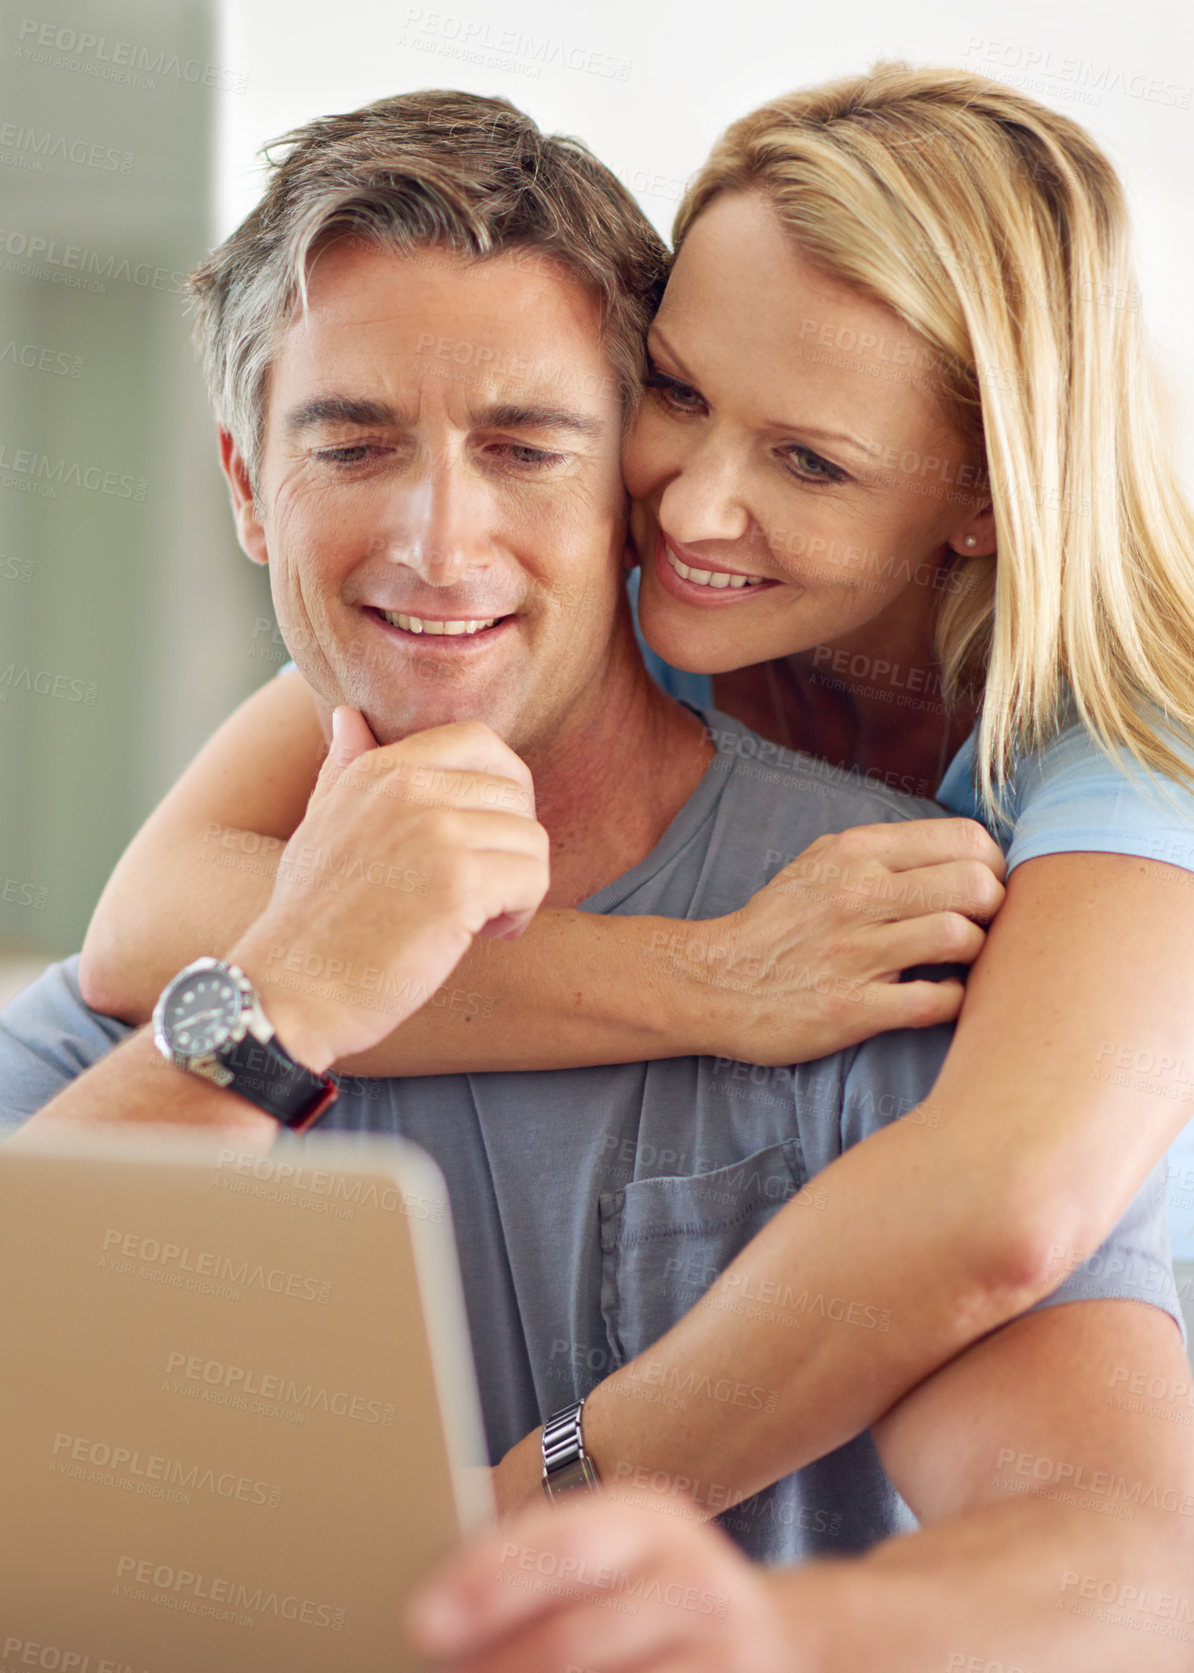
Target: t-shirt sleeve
x,y
1133,1264
1072,798
890,1078
48,1037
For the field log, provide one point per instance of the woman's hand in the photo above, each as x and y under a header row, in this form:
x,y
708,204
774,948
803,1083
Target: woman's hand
x,y
600,1584
812,963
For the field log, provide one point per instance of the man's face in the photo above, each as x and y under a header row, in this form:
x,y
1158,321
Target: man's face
x,y
441,449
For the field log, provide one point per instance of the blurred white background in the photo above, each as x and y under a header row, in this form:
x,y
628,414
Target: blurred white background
x,y
143,600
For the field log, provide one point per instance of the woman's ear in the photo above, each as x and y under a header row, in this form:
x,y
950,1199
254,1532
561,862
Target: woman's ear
x,y
249,528
976,538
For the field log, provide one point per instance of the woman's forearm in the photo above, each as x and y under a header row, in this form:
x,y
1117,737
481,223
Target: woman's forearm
x,y
889,1262
777,982
942,1226
505,1008
509,1007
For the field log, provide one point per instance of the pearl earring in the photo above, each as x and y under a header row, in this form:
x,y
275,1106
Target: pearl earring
x,y
971,540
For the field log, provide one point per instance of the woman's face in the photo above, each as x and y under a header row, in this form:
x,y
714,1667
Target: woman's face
x,y
793,469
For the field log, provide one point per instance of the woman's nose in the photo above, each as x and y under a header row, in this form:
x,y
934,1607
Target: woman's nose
x,y
704,499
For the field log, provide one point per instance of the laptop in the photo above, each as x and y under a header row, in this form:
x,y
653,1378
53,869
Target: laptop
x,y
240,1414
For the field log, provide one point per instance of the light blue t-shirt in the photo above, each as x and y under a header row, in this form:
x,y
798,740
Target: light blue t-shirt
x,y
1069,798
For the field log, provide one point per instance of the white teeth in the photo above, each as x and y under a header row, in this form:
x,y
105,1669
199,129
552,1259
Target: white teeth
x,y
419,624
711,577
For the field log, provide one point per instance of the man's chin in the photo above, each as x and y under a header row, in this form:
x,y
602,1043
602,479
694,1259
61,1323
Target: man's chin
x,y
390,723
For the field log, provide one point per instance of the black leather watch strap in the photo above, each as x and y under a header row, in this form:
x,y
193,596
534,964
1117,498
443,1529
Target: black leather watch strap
x,y
268,1076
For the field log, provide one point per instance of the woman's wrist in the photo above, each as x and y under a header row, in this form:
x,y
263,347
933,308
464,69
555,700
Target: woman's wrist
x,y
701,986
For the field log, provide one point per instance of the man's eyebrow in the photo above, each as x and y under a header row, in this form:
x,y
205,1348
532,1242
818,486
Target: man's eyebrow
x,y
339,409
510,415
868,451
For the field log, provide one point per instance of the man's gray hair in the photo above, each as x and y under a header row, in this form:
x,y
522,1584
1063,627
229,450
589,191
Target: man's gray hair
x,y
452,171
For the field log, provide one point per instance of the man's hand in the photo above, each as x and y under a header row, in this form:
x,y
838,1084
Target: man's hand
x,y
597,1584
812,963
406,853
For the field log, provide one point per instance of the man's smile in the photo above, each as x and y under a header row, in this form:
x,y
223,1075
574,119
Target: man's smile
x,y
432,624
458,635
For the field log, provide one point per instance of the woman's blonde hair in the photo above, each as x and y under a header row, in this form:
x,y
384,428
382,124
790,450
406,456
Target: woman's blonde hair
x,y
997,230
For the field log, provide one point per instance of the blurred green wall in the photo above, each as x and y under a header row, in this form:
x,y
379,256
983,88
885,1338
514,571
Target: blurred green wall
x,y
126,610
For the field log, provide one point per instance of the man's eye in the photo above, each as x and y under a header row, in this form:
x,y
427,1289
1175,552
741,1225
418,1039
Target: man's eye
x,y
522,454
355,454
810,467
679,397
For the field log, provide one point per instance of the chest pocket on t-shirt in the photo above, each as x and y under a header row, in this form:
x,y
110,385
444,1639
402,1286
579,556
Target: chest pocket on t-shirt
x,y
664,1241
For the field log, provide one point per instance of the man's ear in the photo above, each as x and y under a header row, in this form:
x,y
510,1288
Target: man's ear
x,y
249,528
976,538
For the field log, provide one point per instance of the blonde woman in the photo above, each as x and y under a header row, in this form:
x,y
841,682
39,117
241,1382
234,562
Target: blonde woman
x,y
1009,499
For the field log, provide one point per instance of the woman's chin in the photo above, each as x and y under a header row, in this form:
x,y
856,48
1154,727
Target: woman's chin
x,y
699,641
699,648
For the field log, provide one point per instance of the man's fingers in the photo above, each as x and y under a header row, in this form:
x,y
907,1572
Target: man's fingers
x,y
496,869
463,788
514,887
467,1605
581,1635
462,765
604,1592
467,746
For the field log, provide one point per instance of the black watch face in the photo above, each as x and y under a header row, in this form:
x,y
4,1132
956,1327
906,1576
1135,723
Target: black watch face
x,y
202,1012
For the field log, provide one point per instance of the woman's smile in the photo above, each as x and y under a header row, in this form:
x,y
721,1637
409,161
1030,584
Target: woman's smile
x,y
697,581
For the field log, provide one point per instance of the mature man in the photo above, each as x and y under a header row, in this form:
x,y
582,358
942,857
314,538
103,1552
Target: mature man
x,y
593,1207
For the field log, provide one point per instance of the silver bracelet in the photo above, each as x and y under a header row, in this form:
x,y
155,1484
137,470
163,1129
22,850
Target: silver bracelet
x,y
567,1467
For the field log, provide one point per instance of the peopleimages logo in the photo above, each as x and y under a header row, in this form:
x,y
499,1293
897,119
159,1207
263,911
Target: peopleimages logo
x,y
273,1394
122,1249
61,47
103,1464
55,1658
140,1578
39,473
75,264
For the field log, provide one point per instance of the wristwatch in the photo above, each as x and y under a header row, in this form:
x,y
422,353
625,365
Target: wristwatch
x,y
566,1464
209,1021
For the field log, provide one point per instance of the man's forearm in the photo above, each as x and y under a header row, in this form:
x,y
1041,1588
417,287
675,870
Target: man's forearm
x,y
135,1086
1027,1585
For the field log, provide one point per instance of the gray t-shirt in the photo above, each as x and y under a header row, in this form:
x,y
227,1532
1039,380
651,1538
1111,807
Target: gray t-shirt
x,y
593,1206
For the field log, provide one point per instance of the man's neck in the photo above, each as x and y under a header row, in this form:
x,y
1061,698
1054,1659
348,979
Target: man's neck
x,y
615,775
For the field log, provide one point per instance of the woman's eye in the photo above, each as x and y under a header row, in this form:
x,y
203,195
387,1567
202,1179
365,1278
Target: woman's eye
x,y
810,467
680,397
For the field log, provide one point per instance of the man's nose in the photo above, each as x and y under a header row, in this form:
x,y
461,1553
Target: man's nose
x,y
705,499
442,525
